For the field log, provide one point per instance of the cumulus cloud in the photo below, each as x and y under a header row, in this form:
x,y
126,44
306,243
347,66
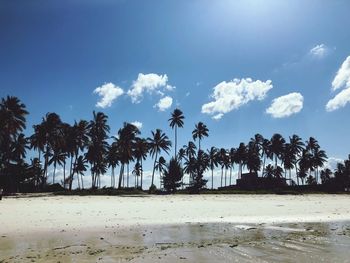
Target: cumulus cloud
x,y
286,105
137,124
332,163
164,103
339,101
108,93
228,96
148,83
342,78
319,51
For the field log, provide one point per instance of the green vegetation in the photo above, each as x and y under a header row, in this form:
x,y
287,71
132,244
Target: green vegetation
x,y
85,148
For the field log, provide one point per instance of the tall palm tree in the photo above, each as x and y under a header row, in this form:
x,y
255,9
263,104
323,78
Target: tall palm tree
x,y
213,162
253,157
200,132
325,175
241,155
79,140
157,143
140,152
289,159
277,145
12,122
176,120
297,146
160,166
232,157
222,160
265,152
98,146
113,160
126,145
38,139
319,159
80,168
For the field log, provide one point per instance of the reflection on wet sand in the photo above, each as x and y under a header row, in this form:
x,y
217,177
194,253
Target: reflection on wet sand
x,y
304,242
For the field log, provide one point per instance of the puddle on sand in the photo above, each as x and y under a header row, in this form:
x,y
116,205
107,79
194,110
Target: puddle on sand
x,y
304,242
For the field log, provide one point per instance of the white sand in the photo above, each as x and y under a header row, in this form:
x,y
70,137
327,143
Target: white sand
x,y
54,213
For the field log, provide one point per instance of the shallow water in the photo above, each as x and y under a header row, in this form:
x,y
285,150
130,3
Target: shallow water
x,y
190,242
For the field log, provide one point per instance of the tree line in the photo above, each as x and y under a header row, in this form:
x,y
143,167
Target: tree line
x,y
86,147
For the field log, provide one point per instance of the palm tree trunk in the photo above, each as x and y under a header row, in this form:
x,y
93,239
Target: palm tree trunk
x,y
154,167
296,174
141,172
120,175
82,181
225,175
175,142
127,175
212,179
263,171
71,176
222,175
70,169
230,174
54,172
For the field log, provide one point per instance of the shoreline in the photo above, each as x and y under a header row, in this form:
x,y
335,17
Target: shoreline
x,y
175,228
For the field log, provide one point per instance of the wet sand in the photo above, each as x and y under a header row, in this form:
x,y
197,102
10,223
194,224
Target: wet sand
x,y
202,229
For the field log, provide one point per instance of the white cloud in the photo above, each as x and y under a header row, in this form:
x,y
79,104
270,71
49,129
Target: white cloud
x,y
108,93
164,103
218,116
137,124
339,101
319,51
332,163
148,83
286,105
342,78
228,96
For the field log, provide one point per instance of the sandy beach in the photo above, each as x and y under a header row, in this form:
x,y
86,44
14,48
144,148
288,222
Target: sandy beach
x,y
201,228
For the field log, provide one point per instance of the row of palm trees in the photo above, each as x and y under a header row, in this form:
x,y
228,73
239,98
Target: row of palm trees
x,y
86,145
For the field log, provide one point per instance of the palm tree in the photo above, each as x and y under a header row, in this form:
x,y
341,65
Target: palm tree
x,y
222,160
232,157
137,172
305,164
113,160
140,153
160,166
176,121
265,152
200,132
38,139
241,155
98,146
126,145
80,167
297,146
12,123
288,159
213,162
253,157
277,145
319,159
157,143
79,140
269,171
325,175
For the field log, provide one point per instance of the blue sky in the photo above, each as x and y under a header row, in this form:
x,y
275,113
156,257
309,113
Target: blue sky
x,y
55,54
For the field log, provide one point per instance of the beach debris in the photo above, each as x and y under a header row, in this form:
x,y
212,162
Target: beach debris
x,y
244,227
